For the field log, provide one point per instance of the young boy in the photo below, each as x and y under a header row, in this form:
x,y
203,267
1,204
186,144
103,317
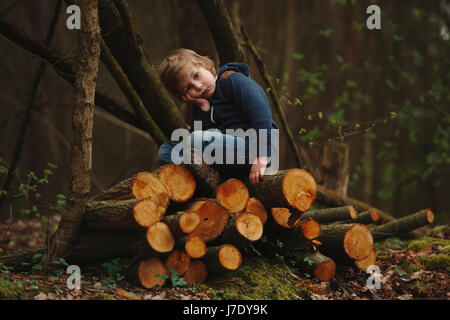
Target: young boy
x,y
222,101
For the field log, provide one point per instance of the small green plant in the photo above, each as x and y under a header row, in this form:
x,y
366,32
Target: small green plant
x,y
176,281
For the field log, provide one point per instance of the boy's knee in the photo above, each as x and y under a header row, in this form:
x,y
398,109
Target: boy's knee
x,y
164,153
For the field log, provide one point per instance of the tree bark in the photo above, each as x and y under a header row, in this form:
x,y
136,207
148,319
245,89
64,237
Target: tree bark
x,y
343,241
222,30
331,214
82,124
403,225
315,263
118,33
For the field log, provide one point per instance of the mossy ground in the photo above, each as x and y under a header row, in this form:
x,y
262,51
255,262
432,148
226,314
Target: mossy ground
x,y
258,278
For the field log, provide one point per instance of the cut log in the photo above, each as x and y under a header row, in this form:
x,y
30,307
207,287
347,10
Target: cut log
x,y
222,258
257,208
285,217
196,272
300,235
369,261
241,230
287,188
182,222
207,178
179,261
213,219
340,241
403,225
232,195
313,262
147,211
147,185
160,238
178,181
148,273
194,246
367,217
334,199
331,214
114,215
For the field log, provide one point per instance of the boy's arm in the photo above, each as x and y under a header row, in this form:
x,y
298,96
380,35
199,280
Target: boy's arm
x,y
251,97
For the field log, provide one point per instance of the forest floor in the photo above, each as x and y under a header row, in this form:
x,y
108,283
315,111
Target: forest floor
x,y
409,269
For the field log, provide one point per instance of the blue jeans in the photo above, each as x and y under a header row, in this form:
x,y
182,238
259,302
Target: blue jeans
x,y
226,153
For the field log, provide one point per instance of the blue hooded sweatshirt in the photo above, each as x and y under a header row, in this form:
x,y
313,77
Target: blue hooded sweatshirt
x,y
238,102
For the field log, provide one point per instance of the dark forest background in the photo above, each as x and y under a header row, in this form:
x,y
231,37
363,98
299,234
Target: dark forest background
x,y
384,92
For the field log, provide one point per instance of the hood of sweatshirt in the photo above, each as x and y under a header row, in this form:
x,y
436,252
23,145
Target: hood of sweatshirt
x,y
235,66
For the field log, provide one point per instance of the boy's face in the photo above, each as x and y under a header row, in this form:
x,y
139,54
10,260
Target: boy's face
x,y
197,83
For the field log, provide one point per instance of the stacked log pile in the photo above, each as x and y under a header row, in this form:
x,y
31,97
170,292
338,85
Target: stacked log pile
x,y
162,220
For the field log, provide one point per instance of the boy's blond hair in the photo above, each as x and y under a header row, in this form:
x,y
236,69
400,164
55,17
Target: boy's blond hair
x,y
170,69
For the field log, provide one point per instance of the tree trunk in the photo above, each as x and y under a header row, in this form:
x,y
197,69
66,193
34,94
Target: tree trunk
x,y
65,70
82,123
334,167
118,33
196,272
221,28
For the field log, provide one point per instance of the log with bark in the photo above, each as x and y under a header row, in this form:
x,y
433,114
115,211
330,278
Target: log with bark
x,y
222,258
314,263
287,188
331,214
196,273
343,241
148,273
367,217
232,195
403,225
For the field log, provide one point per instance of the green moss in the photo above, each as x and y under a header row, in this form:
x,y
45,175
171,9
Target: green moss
x,y
10,290
439,231
383,255
257,279
392,243
423,242
103,296
436,262
409,267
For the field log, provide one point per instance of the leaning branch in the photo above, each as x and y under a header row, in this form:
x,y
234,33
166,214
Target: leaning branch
x,y
300,155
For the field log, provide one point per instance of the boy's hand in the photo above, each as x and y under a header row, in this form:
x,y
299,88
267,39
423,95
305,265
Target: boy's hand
x,y
257,170
201,102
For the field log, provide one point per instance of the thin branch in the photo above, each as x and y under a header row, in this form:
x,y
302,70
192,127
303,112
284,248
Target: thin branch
x,y
23,129
127,88
50,56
